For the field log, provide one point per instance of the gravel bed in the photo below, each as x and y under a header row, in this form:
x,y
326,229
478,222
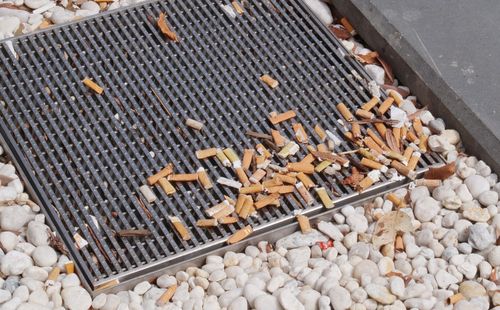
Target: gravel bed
x,y
420,247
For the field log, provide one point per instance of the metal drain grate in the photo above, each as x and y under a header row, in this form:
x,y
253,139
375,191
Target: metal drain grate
x,y
84,156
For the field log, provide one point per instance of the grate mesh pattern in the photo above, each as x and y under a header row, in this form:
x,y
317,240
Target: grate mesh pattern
x,y
84,155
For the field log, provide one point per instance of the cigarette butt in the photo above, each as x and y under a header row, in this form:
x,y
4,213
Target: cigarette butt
x,y
455,298
217,208
278,139
237,7
364,184
347,25
396,96
399,244
70,267
370,104
428,182
281,189
242,176
166,296
240,234
410,136
380,128
183,177
365,114
372,164
266,200
300,133
417,125
233,157
423,143
92,85
260,161
407,153
366,153
229,183
223,158
346,114
384,106
228,220
247,208
356,130
306,180
322,166
413,162
286,179
269,81
181,229
404,132
54,273
239,203
206,223
272,182
324,197
167,187
394,199
194,124
308,159
204,178
403,169
202,154
372,145
304,224
301,167
161,174
261,149
147,193
276,119
397,136
320,132
395,155
247,158
377,140
291,148
321,148
257,176
253,189
304,193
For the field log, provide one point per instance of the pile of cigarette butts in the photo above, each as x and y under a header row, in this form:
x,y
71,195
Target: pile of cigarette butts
x,y
391,148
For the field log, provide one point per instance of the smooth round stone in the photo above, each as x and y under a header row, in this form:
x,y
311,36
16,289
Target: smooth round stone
x,y
449,220
36,273
443,192
340,298
36,233
445,279
13,218
437,126
8,240
463,193
288,300
477,185
99,301
480,237
488,198
424,237
39,297
471,289
439,143
476,214
451,135
142,288
62,16
357,222
468,270
239,303
22,292
76,298
15,262
494,256
70,280
380,294
44,256
8,26
418,193
5,295
90,6
166,280
385,265
426,209
228,297
267,302
321,10
35,4
376,73
365,267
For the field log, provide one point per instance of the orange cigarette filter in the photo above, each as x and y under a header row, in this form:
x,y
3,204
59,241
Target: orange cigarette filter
x,y
371,164
385,105
417,125
413,162
404,170
54,273
240,234
347,25
272,182
278,139
365,114
247,158
239,203
181,229
394,199
407,153
306,180
308,159
204,179
202,154
253,189
92,85
183,177
70,267
399,244
258,175
242,176
370,104
237,7
301,167
304,193
286,178
167,187
228,220
169,169
206,223
346,114
324,197
376,138
281,189
364,184
372,145
300,133
261,149
356,130
247,208
397,136
428,182
380,128
269,81
410,136
322,148
455,298
225,211
423,143
266,200
282,117
304,224
396,96
320,132
166,296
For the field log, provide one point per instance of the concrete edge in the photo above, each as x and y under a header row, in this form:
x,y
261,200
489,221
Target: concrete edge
x,y
413,71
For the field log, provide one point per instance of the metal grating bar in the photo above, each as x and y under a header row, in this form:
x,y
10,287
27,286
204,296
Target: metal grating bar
x,y
84,156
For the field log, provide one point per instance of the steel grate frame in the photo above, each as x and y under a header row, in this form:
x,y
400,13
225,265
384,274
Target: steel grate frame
x,y
84,156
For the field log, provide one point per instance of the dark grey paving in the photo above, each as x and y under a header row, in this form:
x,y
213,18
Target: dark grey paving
x,y
460,40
